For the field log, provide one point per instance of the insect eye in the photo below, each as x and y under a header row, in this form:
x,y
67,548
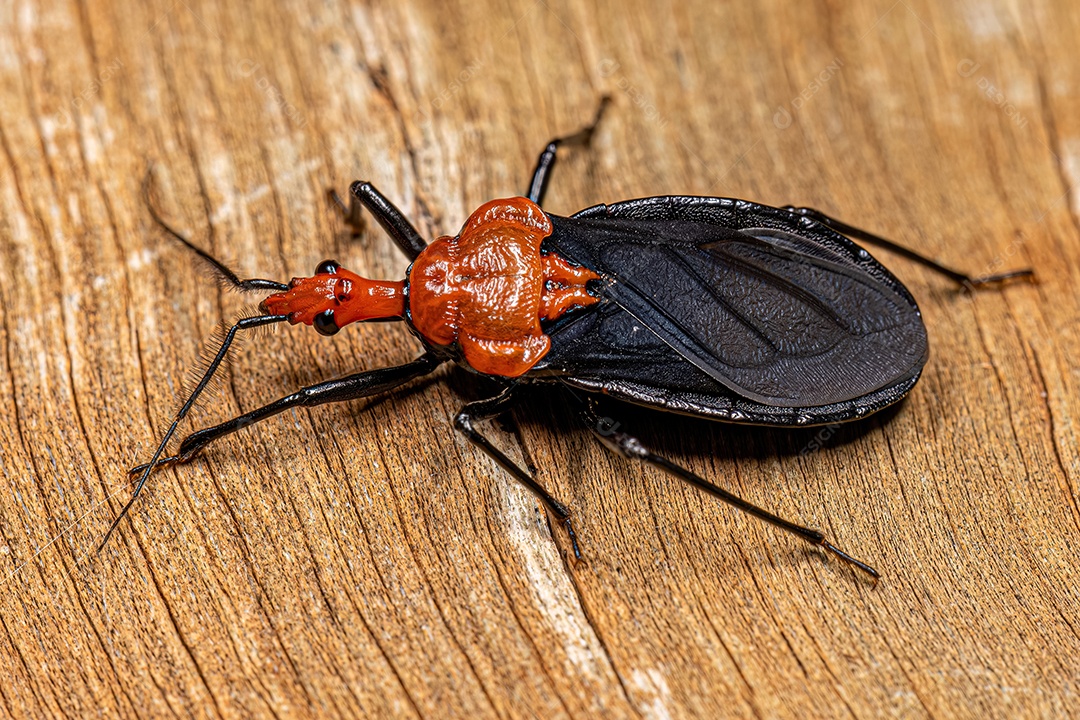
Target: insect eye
x,y
324,323
327,267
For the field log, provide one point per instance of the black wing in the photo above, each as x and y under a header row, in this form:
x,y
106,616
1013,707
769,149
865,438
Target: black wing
x,y
781,312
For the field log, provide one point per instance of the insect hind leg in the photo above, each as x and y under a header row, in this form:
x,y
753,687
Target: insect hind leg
x,y
866,236
607,430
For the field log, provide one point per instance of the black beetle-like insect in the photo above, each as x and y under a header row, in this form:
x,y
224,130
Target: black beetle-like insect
x,y
704,306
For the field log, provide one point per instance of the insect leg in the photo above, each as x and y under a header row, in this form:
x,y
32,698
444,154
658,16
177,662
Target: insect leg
x,y
866,236
392,220
352,387
350,213
489,408
630,447
546,161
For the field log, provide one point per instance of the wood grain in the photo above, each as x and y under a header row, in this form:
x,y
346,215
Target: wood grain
x,y
364,560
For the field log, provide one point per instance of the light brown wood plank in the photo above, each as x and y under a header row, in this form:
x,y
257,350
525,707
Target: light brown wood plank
x,y
364,559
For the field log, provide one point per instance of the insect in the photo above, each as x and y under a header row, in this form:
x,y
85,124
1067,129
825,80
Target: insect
x,y
710,307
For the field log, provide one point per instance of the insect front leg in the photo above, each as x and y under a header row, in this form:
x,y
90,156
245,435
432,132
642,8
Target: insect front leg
x,y
630,447
352,213
866,236
489,408
351,387
392,220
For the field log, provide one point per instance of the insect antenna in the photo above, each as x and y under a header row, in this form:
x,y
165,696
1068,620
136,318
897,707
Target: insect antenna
x,y
224,276
207,354
207,378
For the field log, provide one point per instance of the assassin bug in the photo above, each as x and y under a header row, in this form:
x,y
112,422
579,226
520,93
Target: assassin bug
x,y
710,307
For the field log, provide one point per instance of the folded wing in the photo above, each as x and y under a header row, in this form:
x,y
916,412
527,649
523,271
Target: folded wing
x,y
779,318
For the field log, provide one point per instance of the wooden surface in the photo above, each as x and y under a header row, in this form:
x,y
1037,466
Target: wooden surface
x,y
364,560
